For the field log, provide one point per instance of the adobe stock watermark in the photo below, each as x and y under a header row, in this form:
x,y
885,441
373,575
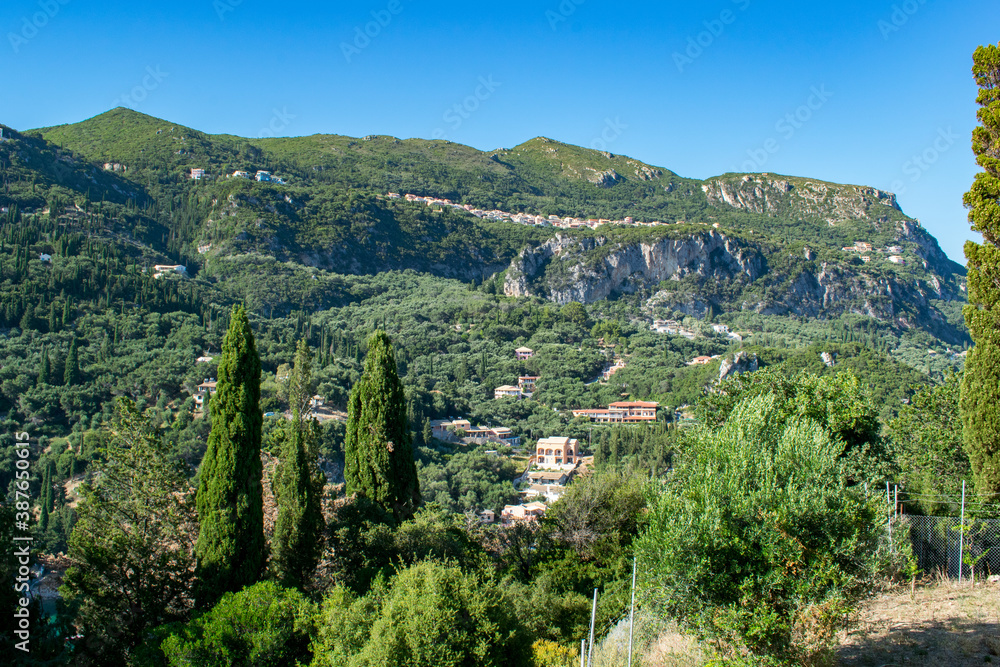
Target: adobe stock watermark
x,y
612,130
278,123
899,17
223,7
363,35
150,82
920,163
787,126
22,540
460,112
697,44
37,21
562,13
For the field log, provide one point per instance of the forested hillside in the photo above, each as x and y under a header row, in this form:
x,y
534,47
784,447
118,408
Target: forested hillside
x,y
119,272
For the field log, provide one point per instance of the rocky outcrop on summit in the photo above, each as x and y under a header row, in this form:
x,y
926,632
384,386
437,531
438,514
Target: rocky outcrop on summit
x,y
771,195
565,269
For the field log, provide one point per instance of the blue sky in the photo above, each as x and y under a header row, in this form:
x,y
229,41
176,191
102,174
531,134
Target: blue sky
x,y
874,93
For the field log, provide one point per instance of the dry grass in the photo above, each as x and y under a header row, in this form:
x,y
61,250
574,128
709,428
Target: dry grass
x,y
942,623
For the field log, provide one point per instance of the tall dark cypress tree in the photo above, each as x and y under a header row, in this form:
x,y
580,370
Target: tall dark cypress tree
x,y
230,550
45,369
378,451
298,483
71,374
298,492
980,402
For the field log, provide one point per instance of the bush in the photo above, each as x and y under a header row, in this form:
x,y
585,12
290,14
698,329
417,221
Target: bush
x,y
261,625
757,543
433,615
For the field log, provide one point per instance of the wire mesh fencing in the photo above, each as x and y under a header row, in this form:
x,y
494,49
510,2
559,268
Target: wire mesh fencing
x,y
942,545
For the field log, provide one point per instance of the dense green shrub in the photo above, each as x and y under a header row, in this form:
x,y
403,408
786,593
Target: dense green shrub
x,y
263,625
430,615
757,542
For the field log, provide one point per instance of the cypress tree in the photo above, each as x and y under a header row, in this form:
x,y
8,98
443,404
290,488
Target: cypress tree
x,y
378,451
71,374
230,547
27,320
980,402
46,499
298,491
45,368
300,387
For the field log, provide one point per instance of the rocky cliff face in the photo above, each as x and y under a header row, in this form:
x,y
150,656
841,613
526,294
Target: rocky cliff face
x,y
833,290
728,275
770,195
566,269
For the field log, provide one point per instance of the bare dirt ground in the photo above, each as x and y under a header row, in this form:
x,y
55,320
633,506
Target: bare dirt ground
x,y
940,624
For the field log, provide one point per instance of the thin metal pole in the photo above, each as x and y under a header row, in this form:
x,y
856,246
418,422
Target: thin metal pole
x,y
583,651
590,648
888,502
961,535
631,613
895,500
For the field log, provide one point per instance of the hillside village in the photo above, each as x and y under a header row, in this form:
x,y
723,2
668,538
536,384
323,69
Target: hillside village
x,y
527,218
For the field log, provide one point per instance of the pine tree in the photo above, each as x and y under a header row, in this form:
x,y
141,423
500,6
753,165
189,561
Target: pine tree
x,y
378,452
71,374
298,491
980,404
230,547
131,544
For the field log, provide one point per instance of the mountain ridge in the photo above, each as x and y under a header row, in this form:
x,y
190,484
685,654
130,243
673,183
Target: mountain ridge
x,y
331,213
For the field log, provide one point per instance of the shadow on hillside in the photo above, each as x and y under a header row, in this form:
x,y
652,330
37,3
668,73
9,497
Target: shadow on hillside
x,y
948,643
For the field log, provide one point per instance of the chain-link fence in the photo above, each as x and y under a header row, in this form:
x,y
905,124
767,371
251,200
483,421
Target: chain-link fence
x,y
941,545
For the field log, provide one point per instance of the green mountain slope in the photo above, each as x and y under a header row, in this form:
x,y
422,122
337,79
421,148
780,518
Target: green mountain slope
x,y
761,242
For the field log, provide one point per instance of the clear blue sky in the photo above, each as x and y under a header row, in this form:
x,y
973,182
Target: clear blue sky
x,y
697,87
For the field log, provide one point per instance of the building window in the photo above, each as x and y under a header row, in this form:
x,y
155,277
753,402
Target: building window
x,y
541,459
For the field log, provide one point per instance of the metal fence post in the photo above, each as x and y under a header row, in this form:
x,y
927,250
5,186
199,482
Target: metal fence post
x,y
631,613
961,535
888,502
590,649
